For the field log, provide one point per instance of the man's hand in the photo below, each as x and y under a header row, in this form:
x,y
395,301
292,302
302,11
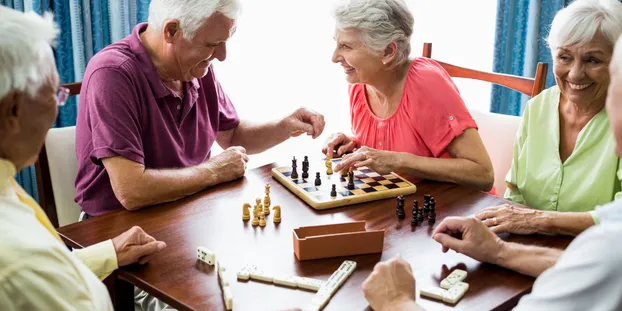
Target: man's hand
x,y
469,236
229,165
304,121
345,143
135,245
391,286
380,161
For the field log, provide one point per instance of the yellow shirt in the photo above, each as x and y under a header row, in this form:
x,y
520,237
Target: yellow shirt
x,y
37,271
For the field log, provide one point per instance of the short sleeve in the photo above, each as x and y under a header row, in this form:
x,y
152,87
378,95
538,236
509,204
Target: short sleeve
x,y
443,114
113,112
228,116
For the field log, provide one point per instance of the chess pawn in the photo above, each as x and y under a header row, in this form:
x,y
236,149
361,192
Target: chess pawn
x,y
329,166
246,215
255,221
262,220
277,214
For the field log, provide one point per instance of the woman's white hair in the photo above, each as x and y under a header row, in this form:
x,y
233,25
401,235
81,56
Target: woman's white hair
x,y
380,22
579,22
191,14
26,58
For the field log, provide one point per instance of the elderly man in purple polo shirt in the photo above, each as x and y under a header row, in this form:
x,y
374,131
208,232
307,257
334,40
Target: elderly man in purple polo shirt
x,y
151,108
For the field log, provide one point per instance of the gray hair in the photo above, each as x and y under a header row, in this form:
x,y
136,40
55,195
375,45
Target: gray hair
x,y
579,22
25,50
380,22
191,14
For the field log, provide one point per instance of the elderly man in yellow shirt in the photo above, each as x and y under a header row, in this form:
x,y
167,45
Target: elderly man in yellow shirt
x,y
37,272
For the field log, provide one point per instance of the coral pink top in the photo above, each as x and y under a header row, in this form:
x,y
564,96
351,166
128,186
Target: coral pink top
x,y
430,115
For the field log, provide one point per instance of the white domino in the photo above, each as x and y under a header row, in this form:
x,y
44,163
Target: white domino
x,y
224,278
328,289
206,255
453,278
433,292
220,267
309,283
258,274
245,273
285,280
228,297
456,292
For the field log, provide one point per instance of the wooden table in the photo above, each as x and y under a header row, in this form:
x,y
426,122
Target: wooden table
x,y
212,219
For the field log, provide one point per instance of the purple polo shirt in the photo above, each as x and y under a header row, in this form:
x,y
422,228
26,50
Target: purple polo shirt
x,y
126,110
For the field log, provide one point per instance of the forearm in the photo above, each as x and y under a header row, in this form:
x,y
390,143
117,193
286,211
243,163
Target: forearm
x,y
156,186
527,259
455,170
564,223
256,138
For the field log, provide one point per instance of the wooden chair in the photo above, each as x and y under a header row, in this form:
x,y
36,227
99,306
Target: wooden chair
x,y
497,130
527,86
60,166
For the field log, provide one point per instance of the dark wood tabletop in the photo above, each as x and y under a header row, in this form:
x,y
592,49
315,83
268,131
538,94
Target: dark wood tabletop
x,y
212,218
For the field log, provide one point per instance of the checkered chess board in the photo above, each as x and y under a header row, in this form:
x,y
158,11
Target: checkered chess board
x,y
368,185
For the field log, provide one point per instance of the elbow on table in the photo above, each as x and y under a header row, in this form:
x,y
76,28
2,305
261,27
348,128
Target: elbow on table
x,y
130,200
487,180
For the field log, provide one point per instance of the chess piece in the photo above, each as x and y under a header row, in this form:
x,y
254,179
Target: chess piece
x,y
329,166
294,174
420,215
343,173
426,203
266,205
305,168
399,211
255,221
351,180
433,206
246,214
413,220
333,191
277,214
318,180
262,220
431,218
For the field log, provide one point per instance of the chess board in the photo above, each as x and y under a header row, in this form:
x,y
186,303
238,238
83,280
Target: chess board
x,y
368,185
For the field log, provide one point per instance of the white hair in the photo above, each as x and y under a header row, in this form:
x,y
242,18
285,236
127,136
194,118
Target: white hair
x,y
579,22
191,14
26,58
379,22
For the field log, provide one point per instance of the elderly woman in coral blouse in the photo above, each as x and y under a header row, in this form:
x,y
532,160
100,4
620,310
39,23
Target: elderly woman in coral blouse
x,y
565,163
407,114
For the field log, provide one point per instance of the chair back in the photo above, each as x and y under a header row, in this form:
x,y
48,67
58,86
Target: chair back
x,y
56,171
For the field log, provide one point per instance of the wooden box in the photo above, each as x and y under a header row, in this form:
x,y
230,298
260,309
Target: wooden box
x,y
335,240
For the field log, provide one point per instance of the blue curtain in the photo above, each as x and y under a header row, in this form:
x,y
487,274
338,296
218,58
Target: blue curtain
x,y
520,43
86,27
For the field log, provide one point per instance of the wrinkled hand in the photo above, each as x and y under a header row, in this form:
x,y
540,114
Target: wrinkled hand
x,y
390,284
510,219
135,245
382,162
230,164
469,236
346,143
304,121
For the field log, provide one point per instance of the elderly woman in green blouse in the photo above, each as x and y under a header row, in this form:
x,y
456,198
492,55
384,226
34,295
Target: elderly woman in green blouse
x,y
565,162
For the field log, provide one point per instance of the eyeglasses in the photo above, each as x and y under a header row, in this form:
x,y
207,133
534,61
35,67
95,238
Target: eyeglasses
x,y
62,94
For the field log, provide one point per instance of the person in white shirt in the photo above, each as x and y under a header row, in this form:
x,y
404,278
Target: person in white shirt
x,y
586,276
37,271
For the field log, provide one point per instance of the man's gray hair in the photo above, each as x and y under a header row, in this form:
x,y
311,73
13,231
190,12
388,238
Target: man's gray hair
x,y
380,22
578,23
24,50
191,14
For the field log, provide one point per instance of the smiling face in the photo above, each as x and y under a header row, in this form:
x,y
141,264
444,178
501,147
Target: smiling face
x,y
582,71
359,63
193,57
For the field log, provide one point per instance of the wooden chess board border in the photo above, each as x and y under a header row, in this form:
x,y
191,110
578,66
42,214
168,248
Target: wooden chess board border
x,y
340,201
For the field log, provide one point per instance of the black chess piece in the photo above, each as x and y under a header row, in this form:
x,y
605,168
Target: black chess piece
x,y
351,180
431,218
427,198
294,174
426,203
399,211
433,206
305,168
420,215
413,220
318,180
333,191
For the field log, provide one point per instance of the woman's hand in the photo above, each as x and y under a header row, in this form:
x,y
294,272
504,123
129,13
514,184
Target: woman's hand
x,y
382,162
511,219
344,142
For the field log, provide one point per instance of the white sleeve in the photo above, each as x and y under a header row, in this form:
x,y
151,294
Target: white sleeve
x,y
588,276
50,283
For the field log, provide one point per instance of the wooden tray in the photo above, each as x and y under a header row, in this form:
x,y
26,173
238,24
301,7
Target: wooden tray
x,y
369,186
344,239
